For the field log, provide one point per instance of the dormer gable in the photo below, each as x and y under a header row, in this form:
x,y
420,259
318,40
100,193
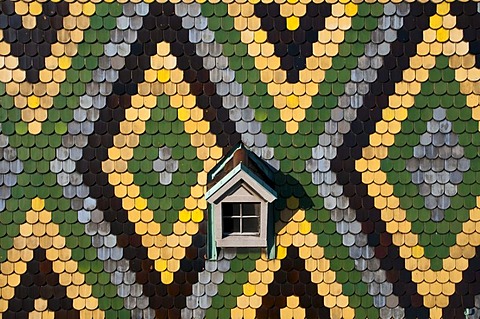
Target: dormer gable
x,y
241,181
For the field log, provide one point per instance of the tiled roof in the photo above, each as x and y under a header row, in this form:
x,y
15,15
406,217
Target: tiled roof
x,y
112,113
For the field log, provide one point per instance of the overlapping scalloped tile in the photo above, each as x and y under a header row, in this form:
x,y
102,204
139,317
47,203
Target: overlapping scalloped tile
x,y
113,112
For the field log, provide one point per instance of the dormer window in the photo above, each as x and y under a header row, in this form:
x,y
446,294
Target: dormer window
x,y
240,201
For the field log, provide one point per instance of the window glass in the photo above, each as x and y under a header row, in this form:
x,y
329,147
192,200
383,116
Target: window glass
x,y
250,209
231,209
250,225
231,225
241,218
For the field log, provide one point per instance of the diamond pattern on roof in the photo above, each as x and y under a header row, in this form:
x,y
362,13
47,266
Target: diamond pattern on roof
x,y
112,113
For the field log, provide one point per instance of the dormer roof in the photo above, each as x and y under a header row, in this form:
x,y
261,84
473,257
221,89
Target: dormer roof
x,y
241,164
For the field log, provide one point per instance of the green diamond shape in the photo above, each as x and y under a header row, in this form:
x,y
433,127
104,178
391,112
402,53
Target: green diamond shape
x,y
417,174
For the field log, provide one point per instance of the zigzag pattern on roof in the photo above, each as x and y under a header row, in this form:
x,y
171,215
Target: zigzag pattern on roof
x,y
112,114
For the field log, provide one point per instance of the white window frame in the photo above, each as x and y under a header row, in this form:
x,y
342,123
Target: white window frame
x,y
241,240
240,188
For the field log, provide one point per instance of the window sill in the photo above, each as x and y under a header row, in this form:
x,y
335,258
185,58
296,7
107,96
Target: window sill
x,y
241,241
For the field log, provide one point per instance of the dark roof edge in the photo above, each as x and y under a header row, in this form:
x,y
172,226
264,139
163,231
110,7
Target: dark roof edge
x,y
263,166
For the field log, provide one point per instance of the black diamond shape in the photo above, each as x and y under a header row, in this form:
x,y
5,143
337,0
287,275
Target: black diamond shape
x,y
293,47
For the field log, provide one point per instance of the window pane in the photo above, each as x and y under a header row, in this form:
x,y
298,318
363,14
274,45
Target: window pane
x,y
250,225
251,209
231,209
231,225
